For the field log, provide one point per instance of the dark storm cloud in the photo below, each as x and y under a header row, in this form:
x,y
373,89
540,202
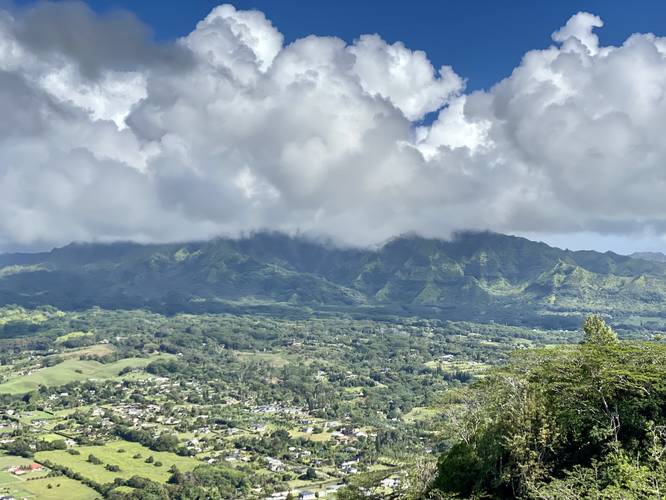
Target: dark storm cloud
x,y
117,40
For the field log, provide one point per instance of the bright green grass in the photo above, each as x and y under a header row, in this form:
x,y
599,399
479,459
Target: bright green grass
x,y
420,413
7,461
15,490
277,360
71,370
123,489
20,487
128,466
29,416
68,411
35,474
61,487
91,350
452,366
49,438
6,477
136,376
8,314
73,335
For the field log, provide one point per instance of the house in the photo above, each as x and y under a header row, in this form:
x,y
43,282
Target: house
x,y
259,427
334,488
307,495
390,482
19,470
349,467
274,464
280,495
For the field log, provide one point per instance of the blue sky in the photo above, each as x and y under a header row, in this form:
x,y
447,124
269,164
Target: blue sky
x,y
482,40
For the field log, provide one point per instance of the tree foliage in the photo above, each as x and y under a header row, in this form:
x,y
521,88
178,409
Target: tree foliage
x,y
567,422
596,331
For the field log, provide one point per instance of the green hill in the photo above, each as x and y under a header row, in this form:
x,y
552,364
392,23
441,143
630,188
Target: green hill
x,y
476,276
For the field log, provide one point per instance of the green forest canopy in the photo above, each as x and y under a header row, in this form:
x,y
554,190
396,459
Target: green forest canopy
x,y
582,421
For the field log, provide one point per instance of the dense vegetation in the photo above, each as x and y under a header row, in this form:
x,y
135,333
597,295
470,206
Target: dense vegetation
x,y
580,421
269,366
237,406
475,276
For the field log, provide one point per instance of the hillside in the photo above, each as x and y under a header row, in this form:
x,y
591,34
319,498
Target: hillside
x,y
477,276
653,256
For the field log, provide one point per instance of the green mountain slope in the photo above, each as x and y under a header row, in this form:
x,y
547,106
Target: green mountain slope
x,y
476,276
653,256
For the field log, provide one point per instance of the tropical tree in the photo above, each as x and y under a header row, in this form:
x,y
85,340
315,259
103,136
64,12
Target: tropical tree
x,y
596,331
555,417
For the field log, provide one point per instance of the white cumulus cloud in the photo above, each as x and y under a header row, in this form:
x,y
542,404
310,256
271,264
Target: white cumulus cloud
x,y
229,129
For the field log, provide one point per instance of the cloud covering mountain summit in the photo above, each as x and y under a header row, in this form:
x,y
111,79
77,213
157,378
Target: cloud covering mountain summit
x,y
114,136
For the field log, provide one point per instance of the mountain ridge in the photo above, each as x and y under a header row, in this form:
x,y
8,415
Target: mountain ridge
x,y
651,256
474,275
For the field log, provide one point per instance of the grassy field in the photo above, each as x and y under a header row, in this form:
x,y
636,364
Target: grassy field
x,y
420,413
129,466
38,489
92,350
61,487
50,437
472,367
70,370
7,461
13,489
6,477
73,335
28,416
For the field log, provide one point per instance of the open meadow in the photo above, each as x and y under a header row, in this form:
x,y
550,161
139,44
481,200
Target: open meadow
x,y
70,370
129,457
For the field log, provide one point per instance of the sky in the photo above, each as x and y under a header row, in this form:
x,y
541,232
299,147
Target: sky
x,y
357,121
481,40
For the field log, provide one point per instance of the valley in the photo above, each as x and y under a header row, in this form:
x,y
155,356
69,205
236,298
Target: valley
x,y
121,401
275,367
